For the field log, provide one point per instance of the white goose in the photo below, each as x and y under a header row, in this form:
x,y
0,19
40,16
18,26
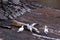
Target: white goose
x,y
30,27
46,30
21,29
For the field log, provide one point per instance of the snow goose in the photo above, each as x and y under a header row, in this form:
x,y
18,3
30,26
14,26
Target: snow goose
x,y
46,30
21,29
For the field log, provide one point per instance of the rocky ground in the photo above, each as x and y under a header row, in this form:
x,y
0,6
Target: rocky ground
x,y
42,16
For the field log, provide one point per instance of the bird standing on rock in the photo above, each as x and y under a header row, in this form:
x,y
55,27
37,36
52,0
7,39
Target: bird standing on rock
x,y
46,30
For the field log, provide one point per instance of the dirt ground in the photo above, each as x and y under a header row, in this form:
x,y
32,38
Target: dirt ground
x,y
42,16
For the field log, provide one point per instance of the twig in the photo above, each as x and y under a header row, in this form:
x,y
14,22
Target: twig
x,y
45,37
